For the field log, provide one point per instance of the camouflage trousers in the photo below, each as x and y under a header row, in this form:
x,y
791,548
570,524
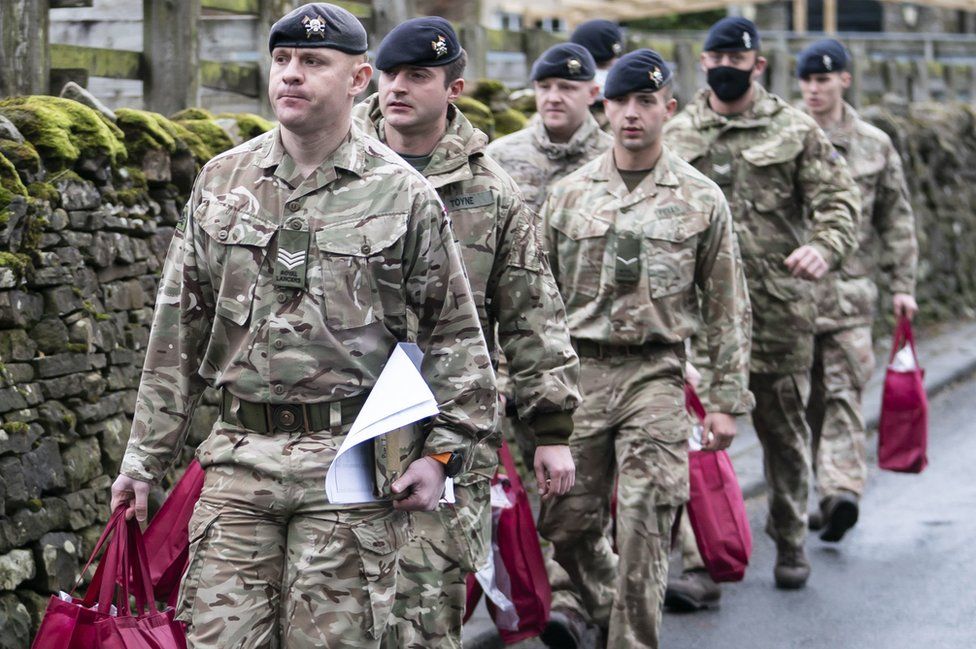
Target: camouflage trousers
x,y
273,564
444,546
781,425
843,363
632,431
691,558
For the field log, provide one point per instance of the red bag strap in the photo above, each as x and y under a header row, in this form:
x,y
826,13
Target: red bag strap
x,y
136,568
100,571
903,336
692,403
508,463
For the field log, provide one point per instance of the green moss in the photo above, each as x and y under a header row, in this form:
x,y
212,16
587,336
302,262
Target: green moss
x,y
63,130
70,420
89,308
44,192
78,348
21,154
130,197
192,113
488,90
17,261
145,130
137,178
212,136
10,180
477,113
249,125
33,232
200,151
509,121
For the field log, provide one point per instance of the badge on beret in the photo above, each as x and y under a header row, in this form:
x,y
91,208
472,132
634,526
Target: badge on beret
x,y
439,46
656,76
314,26
617,49
574,66
828,63
746,40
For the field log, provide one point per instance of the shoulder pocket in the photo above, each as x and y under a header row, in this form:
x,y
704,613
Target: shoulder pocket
x,y
580,250
362,236
670,250
776,151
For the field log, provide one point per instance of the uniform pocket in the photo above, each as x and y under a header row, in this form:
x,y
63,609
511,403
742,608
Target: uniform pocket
x,y
470,522
360,261
239,240
200,533
669,253
582,249
379,541
773,162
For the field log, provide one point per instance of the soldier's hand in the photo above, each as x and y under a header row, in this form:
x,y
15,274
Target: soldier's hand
x,y
806,262
555,471
133,493
905,305
423,482
718,431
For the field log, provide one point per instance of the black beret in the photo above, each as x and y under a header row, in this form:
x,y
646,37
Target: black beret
x,y
826,55
642,69
602,38
426,42
564,61
318,24
732,34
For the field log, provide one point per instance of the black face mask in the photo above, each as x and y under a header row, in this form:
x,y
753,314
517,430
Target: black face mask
x,y
729,83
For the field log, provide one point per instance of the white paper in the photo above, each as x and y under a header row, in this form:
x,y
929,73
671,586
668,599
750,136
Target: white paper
x,y
695,441
904,360
448,496
399,398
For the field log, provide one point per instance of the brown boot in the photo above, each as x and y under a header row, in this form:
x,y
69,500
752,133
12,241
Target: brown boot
x,y
792,568
692,591
840,514
565,630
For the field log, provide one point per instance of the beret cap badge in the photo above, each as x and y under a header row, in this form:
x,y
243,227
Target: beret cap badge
x,y
656,76
314,26
746,40
574,67
439,46
617,48
828,63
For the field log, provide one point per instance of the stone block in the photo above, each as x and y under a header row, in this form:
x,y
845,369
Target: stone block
x,y
113,433
11,399
121,377
80,240
101,252
43,468
61,387
50,240
44,277
61,364
122,271
36,604
15,623
16,345
62,300
58,421
77,194
20,309
18,438
84,509
82,462
16,567
110,404
30,524
19,373
9,278
15,490
56,555
69,256
57,220
50,336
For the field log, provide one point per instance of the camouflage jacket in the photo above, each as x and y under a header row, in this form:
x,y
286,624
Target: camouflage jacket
x,y
377,244
847,297
509,275
787,187
535,162
631,265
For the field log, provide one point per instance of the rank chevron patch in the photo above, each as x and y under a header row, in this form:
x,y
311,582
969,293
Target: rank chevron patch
x,y
291,260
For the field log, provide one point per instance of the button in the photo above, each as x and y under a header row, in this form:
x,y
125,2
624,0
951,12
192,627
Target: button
x,y
282,298
286,417
278,344
294,206
279,389
295,224
222,235
365,249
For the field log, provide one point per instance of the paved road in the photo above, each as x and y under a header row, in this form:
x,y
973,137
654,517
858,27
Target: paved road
x,y
905,577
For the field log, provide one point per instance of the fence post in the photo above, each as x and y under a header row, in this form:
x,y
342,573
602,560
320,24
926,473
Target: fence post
x,y
474,40
268,12
387,14
921,88
859,63
171,80
781,75
686,64
24,56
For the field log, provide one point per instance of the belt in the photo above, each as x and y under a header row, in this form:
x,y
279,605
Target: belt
x,y
268,418
592,349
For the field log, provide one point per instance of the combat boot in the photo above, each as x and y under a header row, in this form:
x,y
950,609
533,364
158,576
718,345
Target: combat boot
x,y
792,568
692,591
815,520
839,515
565,630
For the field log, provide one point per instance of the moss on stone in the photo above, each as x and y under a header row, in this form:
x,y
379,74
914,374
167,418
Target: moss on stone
x,y
10,180
15,427
16,261
44,192
249,125
477,113
21,154
130,197
77,348
200,151
212,136
63,130
490,91
509,121
145,130
192,113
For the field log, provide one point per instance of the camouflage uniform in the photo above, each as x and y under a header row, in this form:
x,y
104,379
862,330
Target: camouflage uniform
x,y
787,187
513,288
630,266
846,299
270,557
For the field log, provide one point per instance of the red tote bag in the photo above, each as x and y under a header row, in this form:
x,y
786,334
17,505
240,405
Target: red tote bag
x,y
519,569
102,620
167,537
903,428
716,509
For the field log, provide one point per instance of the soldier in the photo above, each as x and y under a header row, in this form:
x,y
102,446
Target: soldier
x,y
604,40
843,354
795,207
635,236
288,282
421,67
562,135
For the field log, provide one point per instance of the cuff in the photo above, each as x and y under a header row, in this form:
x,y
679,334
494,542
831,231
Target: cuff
x,y
552,428
730,402
832,261
140,466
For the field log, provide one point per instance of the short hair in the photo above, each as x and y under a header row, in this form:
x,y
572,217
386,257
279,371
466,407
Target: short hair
x,y
455,69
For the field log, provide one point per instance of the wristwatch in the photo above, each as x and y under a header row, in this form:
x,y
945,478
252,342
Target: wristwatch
x,y
453,462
